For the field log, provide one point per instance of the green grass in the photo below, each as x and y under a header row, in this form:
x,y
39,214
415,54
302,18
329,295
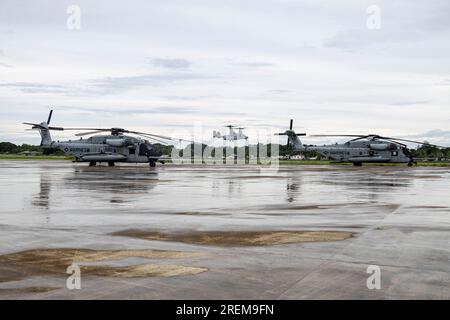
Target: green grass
x,y
282,162
328,162
309,162
25,157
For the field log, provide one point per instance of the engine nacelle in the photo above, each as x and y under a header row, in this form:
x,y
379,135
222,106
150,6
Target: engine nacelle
x,y
383,146
115,142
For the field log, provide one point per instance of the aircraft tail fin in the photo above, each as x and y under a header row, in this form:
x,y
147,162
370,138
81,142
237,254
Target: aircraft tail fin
x,y
44,131
293,138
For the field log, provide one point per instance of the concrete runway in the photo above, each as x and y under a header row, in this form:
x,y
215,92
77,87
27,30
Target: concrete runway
x,y
399,219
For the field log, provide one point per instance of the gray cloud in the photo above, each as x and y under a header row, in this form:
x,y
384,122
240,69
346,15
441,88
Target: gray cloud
x,y
130,111
103,86
175,110
5,65
410,103
170,63
255,64
437,133
325,68
436,136
116,84
34,87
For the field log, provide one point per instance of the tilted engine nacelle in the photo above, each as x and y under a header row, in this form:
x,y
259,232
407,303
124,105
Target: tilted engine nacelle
x,y
116,142
383,146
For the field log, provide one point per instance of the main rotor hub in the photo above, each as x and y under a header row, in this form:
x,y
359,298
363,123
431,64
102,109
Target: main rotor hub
x,y
117,131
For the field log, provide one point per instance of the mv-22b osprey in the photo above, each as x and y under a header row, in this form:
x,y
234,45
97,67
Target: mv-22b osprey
x,y
233,135
370,148
111,148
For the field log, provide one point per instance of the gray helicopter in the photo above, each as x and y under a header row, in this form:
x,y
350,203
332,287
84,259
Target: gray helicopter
x,y
111,148
370,148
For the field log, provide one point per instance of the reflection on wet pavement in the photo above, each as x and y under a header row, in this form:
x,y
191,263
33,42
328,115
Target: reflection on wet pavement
x,y
399,218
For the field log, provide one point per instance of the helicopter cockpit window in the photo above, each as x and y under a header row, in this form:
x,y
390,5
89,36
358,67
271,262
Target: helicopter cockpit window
x,y
132,150
394,153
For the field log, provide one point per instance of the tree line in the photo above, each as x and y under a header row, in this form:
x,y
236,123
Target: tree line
x,y
424,151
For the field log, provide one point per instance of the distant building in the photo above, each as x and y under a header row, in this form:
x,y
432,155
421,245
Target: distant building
x,y
297,157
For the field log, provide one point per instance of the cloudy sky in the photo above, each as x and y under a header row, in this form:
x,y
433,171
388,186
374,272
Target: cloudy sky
x,y
163,66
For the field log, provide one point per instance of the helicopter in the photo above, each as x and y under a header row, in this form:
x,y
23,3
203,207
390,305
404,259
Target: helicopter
x,y
111,148
369,148
233,135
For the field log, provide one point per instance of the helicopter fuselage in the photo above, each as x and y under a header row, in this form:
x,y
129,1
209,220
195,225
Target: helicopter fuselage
x,y
362,151
108,148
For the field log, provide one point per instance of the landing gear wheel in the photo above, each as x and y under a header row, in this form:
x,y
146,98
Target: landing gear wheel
x,y
111,164
357,164
92,164
152,164
410,164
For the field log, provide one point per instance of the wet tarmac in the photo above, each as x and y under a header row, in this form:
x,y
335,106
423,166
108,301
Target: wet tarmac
x,y
230,232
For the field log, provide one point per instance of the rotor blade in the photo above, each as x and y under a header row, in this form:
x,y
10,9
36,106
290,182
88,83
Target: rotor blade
x,y
291,124
340,135
150,135
50,117
33,124
393,141
159,141
360,138
413,141
85,129
89,133
56,128
171,139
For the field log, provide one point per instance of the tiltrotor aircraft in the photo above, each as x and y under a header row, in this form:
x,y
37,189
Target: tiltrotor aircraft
x,y
233,135
111,148
370,148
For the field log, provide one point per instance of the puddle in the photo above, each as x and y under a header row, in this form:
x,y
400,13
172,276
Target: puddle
x,y
20,265
27,290
239,238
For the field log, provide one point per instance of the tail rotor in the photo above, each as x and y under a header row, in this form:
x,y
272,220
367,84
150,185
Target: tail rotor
x,y
49,117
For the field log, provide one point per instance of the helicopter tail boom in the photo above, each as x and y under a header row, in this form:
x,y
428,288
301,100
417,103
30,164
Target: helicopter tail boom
x,y
294,141
46,138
